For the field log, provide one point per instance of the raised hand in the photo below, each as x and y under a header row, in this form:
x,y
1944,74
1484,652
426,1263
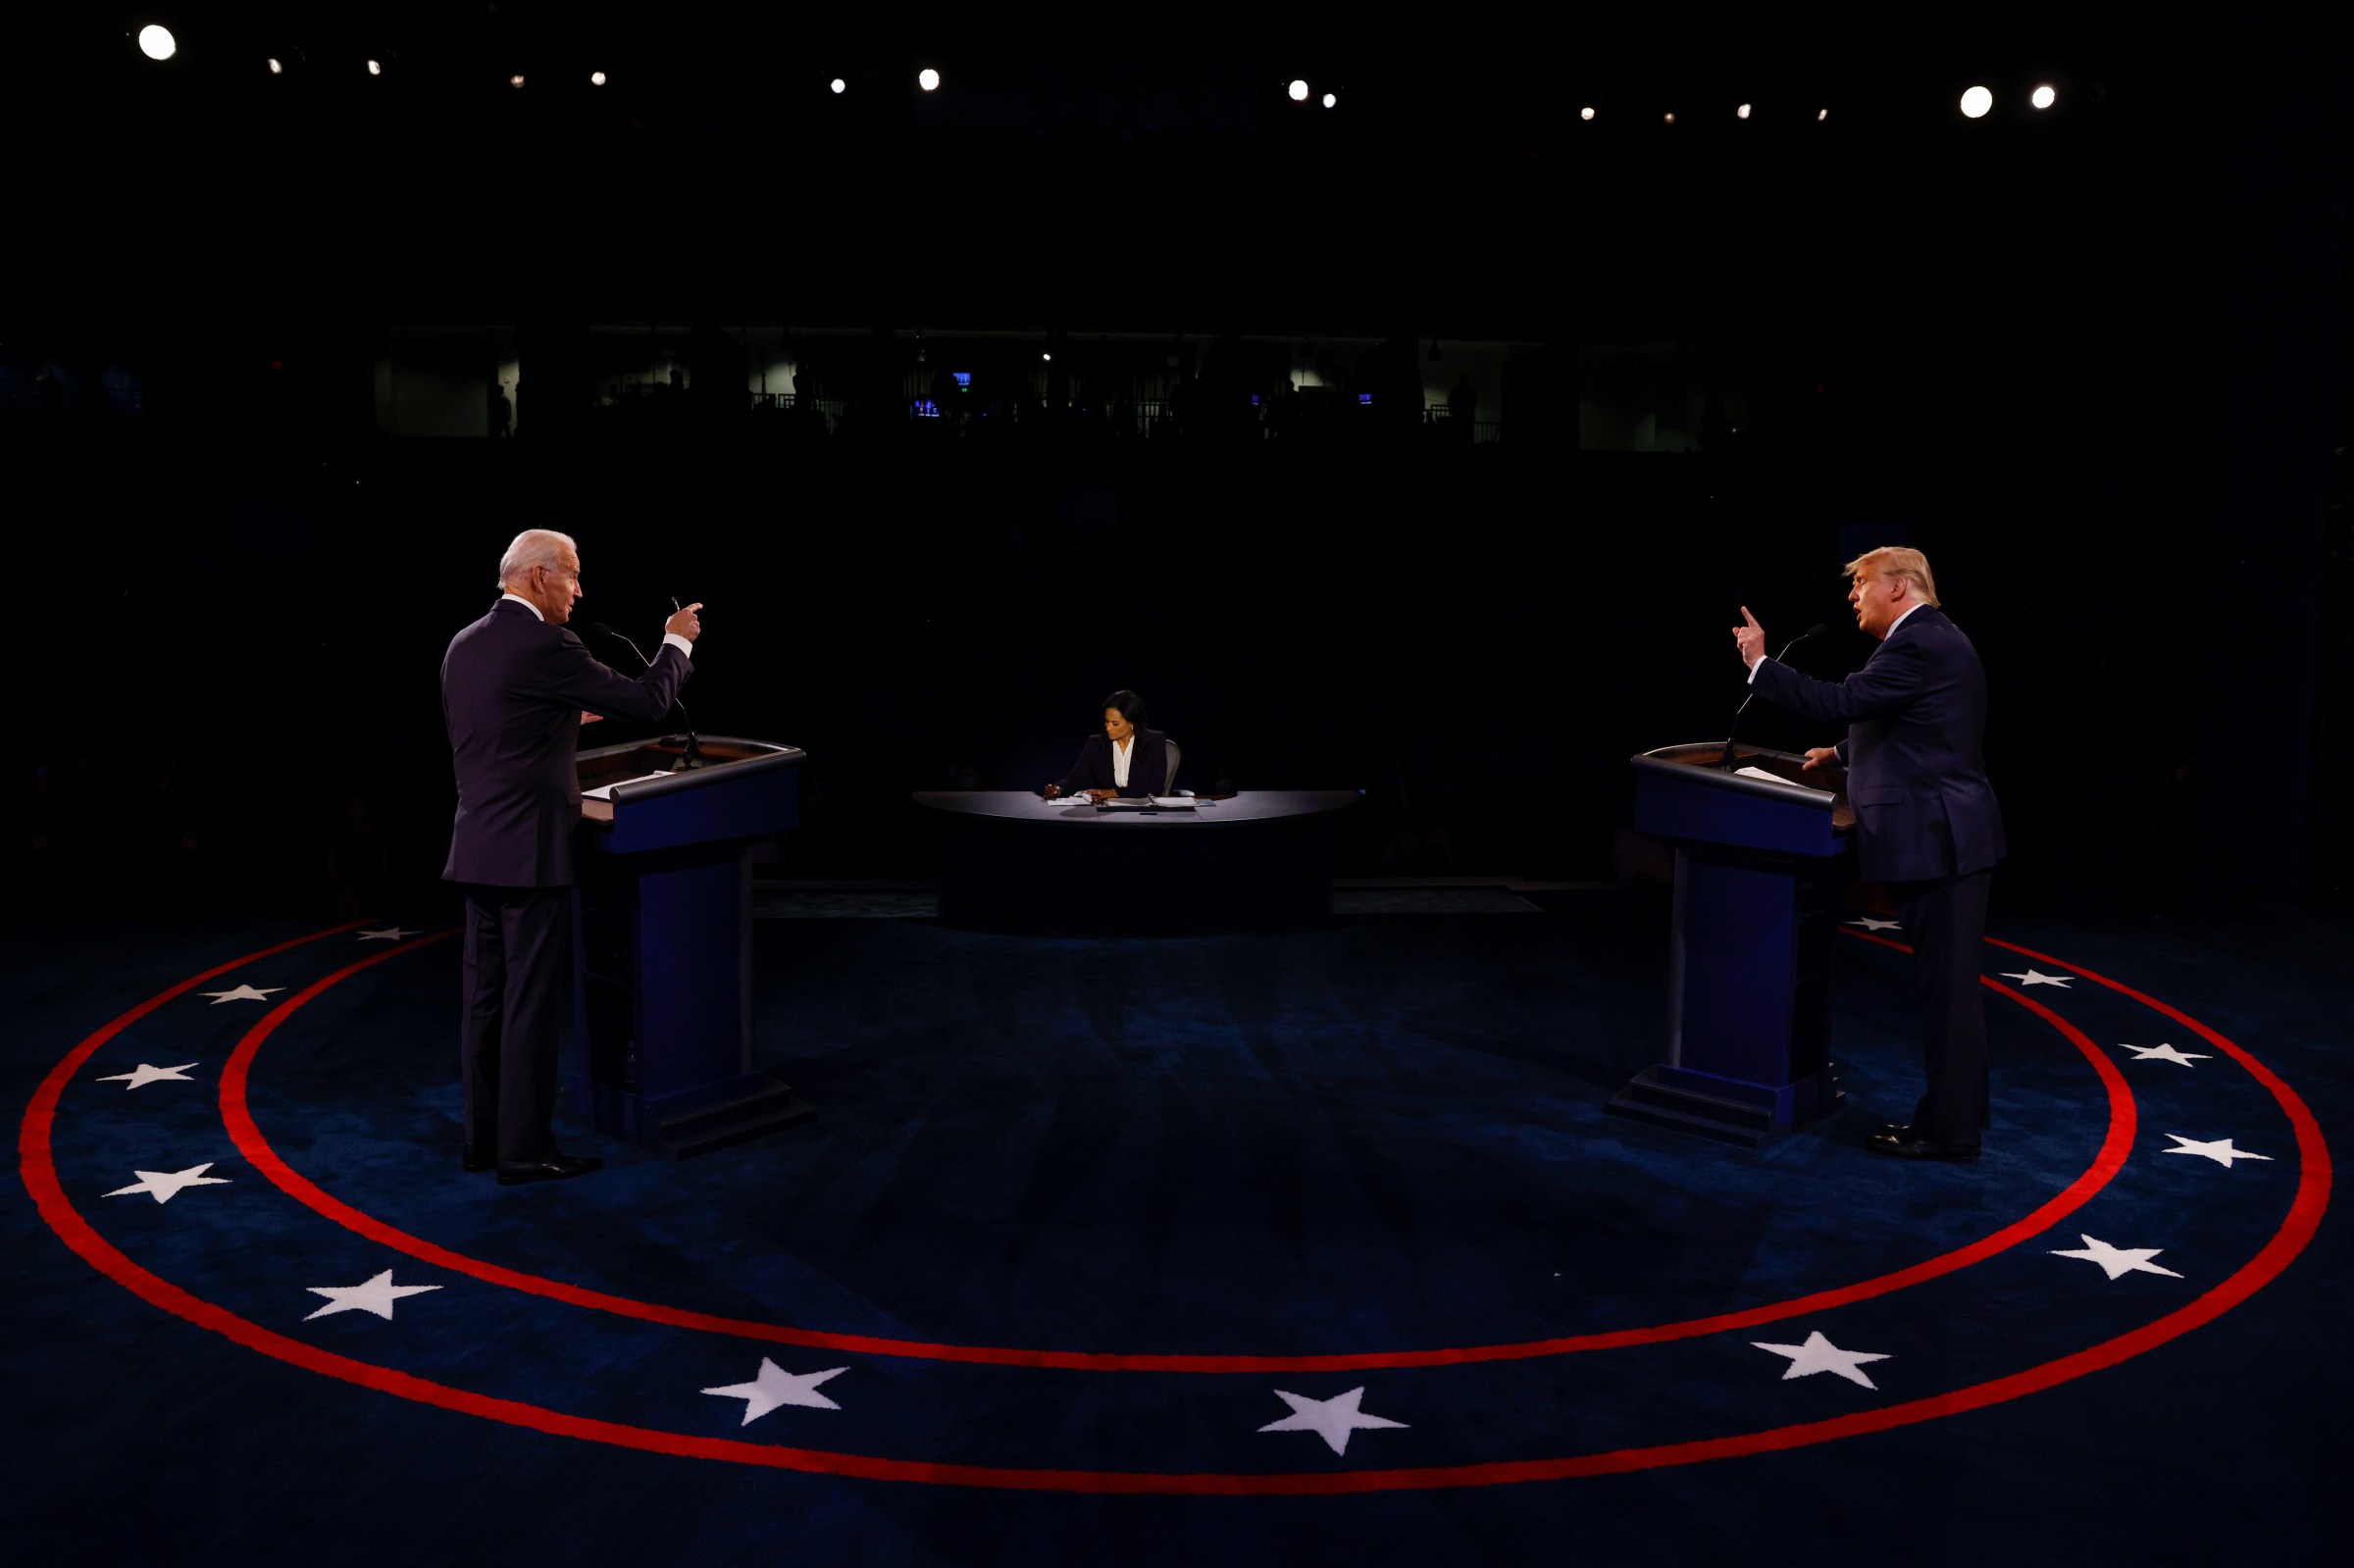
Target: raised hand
x,y
1750,639
685,624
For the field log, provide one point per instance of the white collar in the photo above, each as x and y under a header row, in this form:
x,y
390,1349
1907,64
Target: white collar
x,y
535,609
1125,744
1901,620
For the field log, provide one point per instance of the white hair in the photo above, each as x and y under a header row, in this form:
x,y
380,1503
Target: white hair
x,y
534,547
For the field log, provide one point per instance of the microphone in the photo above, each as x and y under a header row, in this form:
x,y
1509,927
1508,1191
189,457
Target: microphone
x,y
1808,635
694,751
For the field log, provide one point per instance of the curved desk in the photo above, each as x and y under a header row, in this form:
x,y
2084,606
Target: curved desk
x,y
1011,862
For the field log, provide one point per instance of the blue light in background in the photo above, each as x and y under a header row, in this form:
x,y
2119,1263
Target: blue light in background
x,y
963,378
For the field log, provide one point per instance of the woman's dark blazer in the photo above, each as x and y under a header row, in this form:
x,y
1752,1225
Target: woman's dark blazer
x,y
1147,765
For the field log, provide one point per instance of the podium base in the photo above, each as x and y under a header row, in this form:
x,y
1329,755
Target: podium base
x,y
1725,1109
712,1118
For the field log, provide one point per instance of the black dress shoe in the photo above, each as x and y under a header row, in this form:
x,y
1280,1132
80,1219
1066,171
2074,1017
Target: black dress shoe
x,y
1905,1144
554,1168
473,1162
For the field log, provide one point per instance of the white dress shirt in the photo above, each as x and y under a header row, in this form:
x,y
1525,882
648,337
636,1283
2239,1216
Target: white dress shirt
x,y
1119,760
671,638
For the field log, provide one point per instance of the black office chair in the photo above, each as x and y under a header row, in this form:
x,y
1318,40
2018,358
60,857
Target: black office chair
x,y
1168,786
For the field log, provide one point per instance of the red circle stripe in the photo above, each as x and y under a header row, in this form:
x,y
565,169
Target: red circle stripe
x,y
239,1116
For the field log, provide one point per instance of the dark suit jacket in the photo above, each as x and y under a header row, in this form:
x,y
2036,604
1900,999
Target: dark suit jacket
x,y
1147,765
1915,714
512,690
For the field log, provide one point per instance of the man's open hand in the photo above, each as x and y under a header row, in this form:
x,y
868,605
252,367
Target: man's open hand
x,y
1820,758
685,624
1750,639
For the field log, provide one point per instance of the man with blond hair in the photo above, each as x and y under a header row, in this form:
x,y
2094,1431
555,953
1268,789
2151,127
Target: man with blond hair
x,y
515,686
1927,820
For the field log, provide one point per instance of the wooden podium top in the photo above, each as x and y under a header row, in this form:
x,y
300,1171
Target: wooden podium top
x,y
653,768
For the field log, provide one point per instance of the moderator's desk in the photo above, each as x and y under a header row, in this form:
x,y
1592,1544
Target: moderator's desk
x,y
1012,862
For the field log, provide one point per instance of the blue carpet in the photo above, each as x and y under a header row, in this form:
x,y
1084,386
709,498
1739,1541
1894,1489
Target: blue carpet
x,y
1381,1138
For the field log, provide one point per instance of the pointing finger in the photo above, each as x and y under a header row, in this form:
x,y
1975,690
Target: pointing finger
x,y
1746,616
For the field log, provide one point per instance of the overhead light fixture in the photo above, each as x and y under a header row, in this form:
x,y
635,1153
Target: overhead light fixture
x,y
2044,96
928,79
157,43
515,80
1975,101
837,85
597,78
1297,91
1332,100
376,68
1586,113
1741,113
277,69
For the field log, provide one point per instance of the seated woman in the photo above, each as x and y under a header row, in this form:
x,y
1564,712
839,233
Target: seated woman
x,y
1124,759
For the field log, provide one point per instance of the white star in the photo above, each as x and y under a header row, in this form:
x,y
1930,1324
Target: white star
x,y
244,994
161,1185
144,1074
2036,978
1331,1419
776,1387
2116,1261
2221,1150
391,933
1819,1354
2164,1053
1869,924
376,1296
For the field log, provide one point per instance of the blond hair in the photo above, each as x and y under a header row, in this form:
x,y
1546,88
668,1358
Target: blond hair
x,y
1895,561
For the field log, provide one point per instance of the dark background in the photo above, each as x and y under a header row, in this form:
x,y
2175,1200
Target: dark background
x,y
2094,362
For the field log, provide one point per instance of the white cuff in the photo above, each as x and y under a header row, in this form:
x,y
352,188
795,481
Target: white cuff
x,y
1753,672
680,643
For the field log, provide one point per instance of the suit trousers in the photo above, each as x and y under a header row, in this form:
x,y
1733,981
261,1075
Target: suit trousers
x,y
518,959
1945,920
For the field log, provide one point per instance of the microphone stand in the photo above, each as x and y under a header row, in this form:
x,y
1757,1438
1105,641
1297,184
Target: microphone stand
x,y
694,751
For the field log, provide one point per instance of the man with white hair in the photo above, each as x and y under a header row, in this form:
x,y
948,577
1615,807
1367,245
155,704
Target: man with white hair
x,y
1927,820
515,686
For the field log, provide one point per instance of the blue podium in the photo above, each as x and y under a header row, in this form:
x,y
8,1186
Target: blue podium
x,y
662,1045
1758,887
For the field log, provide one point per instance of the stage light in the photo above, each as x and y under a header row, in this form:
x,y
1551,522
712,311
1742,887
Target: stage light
x,y
2044,96
157,43
1298,89
837,85
1331,99
1976,102
1741,113
374,68
515,80
1822,115
276,69
597,78
1586,113
928,79
1668,117
1045,356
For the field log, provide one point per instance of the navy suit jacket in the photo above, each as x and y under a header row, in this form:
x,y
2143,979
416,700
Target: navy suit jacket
x,y
1147,765
1916,715
512,690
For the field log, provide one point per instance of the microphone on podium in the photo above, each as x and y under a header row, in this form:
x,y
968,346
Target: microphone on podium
x,y
694,751
1809,635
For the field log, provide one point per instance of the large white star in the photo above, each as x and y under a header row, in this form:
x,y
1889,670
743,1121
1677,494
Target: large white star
x,y
1869,924
1331,1419
376,1296
143,1075
2118,1261
776,1387
163,1184
2034,976
244,994
391,933
1819,1354
2164,1053
2221,1150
